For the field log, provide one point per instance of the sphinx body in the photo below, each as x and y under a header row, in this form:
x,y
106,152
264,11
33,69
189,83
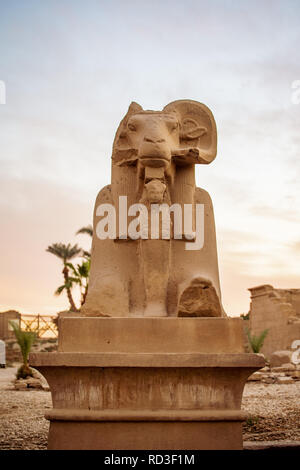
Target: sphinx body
x,y
153,163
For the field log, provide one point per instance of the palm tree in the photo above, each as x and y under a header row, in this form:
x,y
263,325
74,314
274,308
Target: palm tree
x,y
81,277
25,340
66,253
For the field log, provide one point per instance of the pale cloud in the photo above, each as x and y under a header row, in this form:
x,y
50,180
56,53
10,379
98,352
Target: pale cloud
x,y
72,68
269,211
295,246
40,215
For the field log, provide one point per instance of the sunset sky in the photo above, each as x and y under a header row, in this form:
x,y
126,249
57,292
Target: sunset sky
x,y
71,69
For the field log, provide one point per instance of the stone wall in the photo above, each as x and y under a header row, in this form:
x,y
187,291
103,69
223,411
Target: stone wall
x,y
292,296
5,330
277,310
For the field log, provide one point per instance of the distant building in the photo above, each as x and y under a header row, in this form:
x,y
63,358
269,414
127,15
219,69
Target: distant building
x,y
6,331
277,310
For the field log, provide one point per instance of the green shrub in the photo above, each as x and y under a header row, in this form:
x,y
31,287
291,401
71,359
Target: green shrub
x,y
23,372
245,316
252,420
256,342
25,340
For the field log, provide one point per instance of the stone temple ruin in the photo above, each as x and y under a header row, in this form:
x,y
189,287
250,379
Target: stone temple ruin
x,y
153,362
277,310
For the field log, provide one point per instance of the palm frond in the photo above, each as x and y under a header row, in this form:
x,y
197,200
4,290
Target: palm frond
x,y
84,268
25,340
88,230
72,267
74,279
86,254
256,342
59,290
64,252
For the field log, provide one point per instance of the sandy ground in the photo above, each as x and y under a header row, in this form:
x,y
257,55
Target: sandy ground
x,y
274,413
22,422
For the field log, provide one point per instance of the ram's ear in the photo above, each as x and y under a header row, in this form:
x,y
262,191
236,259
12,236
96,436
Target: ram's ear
x,y
121,146
191,130
198,129
134,108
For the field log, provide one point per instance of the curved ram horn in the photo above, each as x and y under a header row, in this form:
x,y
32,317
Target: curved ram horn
x,y
198,129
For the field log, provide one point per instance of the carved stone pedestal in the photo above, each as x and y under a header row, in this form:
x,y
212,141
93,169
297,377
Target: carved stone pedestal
x,y
147,383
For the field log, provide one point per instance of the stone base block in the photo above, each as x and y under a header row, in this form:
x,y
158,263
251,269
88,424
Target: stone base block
x,y
160,435
146,401
151,335
147,383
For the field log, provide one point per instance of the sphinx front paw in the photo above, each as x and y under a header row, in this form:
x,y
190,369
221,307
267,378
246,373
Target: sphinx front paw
x,y
199,299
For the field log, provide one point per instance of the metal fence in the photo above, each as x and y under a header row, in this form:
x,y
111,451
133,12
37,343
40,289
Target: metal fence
x,y
42,325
